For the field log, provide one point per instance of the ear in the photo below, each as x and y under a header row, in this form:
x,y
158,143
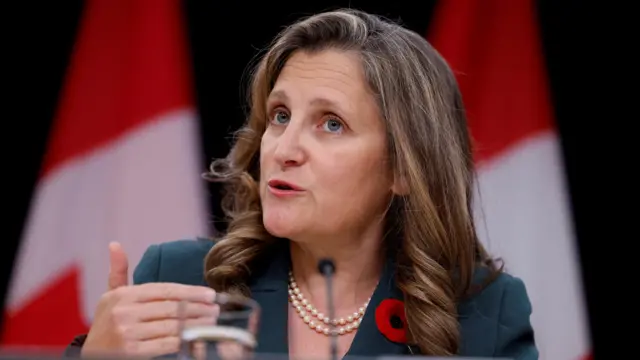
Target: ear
x,y
400,185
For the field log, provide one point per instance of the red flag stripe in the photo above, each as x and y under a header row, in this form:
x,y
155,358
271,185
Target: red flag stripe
x,y
58,303
494,48
142,39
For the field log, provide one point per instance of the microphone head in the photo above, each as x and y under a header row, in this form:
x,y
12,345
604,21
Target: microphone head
x,y
326,266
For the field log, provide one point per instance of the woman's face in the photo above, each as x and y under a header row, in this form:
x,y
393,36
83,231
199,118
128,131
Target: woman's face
x,y
324,170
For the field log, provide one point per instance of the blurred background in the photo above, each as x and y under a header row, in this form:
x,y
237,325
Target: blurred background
x,y
129,101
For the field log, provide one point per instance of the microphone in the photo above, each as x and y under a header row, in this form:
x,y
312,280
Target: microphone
x,y
327,268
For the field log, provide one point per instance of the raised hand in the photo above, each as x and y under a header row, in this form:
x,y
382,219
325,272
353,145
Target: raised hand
x,y
143,320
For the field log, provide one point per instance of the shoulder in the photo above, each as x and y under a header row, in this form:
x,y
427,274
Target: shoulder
x,y
180,261
504,292
497,318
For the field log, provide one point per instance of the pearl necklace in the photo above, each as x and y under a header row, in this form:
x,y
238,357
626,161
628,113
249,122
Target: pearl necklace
x,y
308,312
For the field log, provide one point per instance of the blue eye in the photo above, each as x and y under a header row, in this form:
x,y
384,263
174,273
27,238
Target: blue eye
x,y
333,125
281,118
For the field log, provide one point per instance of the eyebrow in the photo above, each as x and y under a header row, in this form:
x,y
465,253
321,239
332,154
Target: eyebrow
x,y
282,96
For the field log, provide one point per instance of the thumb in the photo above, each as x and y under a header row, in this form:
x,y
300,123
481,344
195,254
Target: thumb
x,y
118,266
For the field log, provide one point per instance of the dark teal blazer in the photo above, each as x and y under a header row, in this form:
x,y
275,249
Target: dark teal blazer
x,y
494,323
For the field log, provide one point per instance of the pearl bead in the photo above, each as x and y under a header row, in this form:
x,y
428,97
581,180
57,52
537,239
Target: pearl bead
x,y
308,313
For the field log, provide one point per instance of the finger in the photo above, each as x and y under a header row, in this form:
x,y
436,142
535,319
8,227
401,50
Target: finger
x,y
170,291
160,310
199,350
163,328
155,347
230,350
118,266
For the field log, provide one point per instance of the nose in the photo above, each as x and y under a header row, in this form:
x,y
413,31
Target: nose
x,y
289,147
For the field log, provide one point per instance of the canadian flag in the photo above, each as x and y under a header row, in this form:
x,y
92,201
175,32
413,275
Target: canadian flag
x,y
122,165
523,213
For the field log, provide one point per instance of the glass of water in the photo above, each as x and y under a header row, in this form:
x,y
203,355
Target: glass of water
x,y
232,336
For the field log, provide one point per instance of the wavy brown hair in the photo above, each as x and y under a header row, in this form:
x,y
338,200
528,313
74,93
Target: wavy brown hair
x,y
437,250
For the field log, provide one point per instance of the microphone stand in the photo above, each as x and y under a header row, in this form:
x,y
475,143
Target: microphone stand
x,y
327,268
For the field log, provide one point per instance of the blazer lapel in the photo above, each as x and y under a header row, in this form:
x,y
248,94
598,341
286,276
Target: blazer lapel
x,y
269,287
369,341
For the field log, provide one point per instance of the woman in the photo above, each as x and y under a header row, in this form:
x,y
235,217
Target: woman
x,y
355,149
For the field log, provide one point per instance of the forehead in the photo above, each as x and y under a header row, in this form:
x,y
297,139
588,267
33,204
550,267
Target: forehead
x,y
329,76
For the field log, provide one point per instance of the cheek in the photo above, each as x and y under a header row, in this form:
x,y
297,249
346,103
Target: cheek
x,y
361,176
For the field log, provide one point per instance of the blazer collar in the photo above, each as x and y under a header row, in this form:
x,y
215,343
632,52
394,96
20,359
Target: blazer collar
x,y
369,341
269,287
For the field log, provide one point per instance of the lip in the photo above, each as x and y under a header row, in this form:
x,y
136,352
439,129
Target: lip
x,y
275,185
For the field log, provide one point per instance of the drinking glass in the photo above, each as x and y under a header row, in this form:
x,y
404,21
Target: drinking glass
x,y
232,336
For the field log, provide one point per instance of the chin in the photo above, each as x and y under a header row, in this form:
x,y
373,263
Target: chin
x,y
280,226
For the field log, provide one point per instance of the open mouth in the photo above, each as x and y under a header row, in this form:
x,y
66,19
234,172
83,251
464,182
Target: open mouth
x,y
283,186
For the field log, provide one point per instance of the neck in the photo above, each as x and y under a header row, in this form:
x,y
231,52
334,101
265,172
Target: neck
x,y
358,268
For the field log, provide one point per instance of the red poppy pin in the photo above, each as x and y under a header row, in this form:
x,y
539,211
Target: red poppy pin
x,y
392,321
